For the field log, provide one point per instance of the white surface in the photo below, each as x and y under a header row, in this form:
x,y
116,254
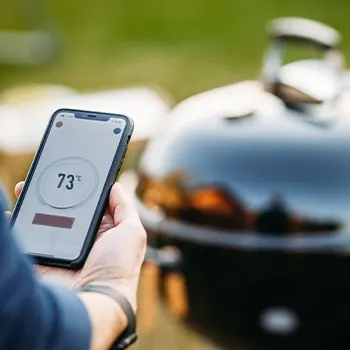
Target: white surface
x,y
306,28
53,191
22,123
314,78
231,101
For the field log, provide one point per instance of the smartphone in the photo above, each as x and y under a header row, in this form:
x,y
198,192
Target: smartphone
x,y
66,191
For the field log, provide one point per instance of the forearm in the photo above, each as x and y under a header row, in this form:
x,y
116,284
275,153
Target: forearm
x,y
107,319
33,314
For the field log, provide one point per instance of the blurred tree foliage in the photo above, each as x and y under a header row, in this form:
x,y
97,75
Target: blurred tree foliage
x,y
185,46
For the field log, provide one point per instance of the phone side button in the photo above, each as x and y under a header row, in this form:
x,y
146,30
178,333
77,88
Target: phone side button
x,y
126,149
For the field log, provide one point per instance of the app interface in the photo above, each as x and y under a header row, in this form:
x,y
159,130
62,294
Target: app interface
x,y
65,189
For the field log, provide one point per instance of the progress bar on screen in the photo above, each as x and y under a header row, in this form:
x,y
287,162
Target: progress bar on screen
x,y
53,220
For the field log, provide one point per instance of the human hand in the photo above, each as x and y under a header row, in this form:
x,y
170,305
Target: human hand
x,y
117,255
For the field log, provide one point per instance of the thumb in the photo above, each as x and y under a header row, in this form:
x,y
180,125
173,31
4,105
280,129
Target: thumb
x,y
18,188
121,206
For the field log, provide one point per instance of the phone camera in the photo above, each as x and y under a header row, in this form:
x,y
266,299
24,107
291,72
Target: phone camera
x,y
59,124
117,131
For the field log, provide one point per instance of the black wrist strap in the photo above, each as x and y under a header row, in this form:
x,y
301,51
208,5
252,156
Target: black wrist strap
x,y
129,336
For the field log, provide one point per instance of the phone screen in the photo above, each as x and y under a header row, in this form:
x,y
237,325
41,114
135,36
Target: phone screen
x,y
65,189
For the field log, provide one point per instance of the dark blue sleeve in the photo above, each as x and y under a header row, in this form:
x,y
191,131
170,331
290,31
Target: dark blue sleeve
x,y
36,315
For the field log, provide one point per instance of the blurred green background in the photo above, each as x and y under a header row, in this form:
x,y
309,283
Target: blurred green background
x,y
184,46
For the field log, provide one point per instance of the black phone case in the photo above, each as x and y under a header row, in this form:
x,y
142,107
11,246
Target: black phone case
x,y
111,178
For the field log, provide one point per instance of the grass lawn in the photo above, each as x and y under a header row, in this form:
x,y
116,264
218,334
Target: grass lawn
x,y
185,46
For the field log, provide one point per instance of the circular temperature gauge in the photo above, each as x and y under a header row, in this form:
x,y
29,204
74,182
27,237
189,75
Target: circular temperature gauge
x,y
67,183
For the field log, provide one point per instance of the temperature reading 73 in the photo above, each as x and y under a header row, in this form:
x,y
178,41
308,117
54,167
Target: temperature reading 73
x,y
67,180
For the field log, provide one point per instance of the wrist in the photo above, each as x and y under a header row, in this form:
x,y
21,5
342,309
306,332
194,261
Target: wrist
x,y
123,337
115,310
108,320
122,287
